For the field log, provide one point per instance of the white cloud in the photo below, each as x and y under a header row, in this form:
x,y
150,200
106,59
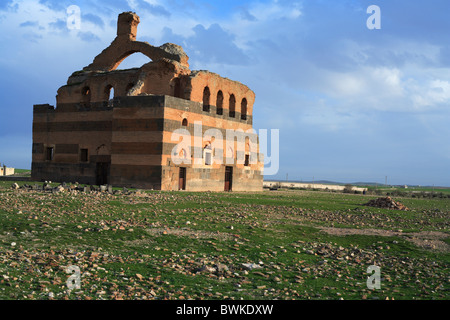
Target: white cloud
x,y
275,10
435,92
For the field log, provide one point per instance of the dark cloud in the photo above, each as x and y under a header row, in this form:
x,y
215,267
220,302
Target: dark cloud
x,y
215,45
32,37
119,5
246,15
169,36
59,24
155,10
335,37
444,56
57,5
87,5
94,19
4,4
29,24
88,36
417,20
209,45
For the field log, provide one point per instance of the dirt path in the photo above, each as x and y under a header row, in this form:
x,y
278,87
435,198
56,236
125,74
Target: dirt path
x,y
426,239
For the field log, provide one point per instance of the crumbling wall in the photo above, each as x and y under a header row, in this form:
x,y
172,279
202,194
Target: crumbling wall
x,y
125,139
199,80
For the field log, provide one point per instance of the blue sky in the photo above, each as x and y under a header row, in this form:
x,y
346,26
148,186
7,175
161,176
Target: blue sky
x,y
352,104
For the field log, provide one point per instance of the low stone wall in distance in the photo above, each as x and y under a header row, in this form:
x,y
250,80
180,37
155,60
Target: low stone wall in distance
x,y
298,185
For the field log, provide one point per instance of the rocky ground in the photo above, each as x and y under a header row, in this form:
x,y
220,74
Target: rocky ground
x,y
139,245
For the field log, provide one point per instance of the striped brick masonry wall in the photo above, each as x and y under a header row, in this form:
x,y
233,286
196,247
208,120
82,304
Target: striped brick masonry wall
x,y
128,140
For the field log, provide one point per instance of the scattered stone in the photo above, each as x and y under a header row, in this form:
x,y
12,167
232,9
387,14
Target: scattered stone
x,y
251,266
220,267
207,269
58,189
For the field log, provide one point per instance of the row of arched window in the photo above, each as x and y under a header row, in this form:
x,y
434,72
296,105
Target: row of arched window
x,y
108,93
220,101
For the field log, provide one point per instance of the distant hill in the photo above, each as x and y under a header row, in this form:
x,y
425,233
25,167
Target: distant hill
x,y
367,184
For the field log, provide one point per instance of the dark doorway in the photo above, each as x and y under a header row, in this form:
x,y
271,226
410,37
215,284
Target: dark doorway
x,y
102,173
228,178
50,153
182,179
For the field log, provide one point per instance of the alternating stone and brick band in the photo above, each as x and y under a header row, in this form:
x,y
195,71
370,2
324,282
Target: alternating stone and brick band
x,y
127,140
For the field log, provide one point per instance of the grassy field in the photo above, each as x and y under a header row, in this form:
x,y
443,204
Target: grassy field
x,y
181,245
411,190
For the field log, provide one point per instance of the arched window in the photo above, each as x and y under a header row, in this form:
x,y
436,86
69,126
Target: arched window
x,y
108,95
244,109
219,103
206,97
232,106
207,154
247,160
247,152
86,95
184,123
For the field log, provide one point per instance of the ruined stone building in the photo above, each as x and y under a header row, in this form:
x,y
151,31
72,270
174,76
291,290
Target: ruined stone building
x,y
128,139
5,171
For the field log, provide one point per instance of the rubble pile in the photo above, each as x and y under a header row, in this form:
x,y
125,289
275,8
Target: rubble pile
x,y
386,202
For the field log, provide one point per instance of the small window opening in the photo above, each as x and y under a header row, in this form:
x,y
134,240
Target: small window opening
x,y
208,155
206,97
219,103
232,106
184,123
86,95
84,155
109,95
244,109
